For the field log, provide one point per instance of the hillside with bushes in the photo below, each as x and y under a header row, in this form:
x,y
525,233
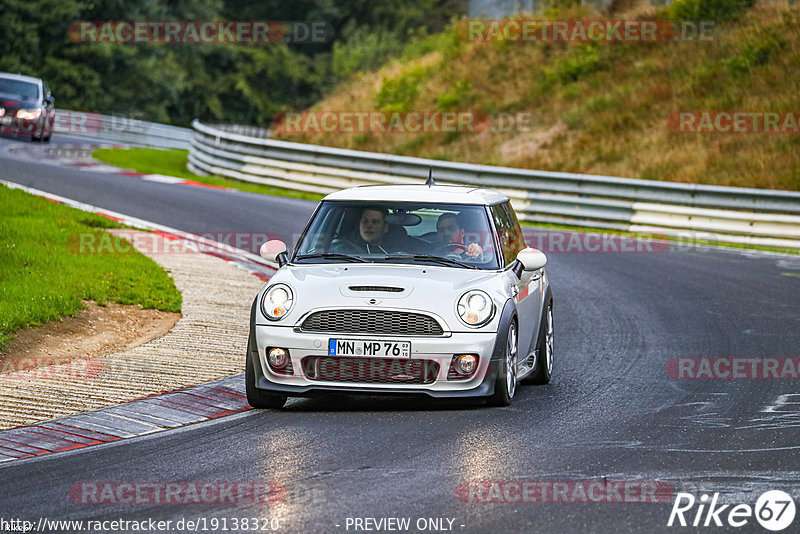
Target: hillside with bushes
x,y
598,107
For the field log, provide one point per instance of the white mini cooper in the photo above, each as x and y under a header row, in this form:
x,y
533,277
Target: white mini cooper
x,y
408,289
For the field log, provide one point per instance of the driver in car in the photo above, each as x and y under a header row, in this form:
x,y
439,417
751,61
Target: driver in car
x,y
372,228
451,235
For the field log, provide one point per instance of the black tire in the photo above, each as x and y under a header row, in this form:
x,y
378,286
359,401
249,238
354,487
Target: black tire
x,y
256,397
49,130
544,349
505,386
37,138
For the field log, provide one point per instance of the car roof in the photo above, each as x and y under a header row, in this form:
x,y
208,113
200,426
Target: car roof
x,y
444,194
20,77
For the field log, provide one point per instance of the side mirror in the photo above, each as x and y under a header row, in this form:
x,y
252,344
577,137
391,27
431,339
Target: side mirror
x,y
50,99
532,259
274,250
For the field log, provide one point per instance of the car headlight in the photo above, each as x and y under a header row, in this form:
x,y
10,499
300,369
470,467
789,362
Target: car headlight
x,y
277,301
29,114
475,308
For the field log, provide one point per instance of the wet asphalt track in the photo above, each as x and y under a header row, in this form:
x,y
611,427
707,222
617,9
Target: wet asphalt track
x,y
612,410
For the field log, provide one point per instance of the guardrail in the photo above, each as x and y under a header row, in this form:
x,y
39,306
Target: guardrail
x,y
121,129
714,213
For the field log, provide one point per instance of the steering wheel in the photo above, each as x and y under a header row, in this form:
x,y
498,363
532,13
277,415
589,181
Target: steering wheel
x,y
449,249
344,245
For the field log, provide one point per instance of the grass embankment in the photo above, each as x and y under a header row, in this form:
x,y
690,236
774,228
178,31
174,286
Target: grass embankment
x,y
44,277
597,107
173,163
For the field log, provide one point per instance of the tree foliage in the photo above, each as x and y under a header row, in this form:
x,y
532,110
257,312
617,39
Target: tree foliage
x,y
236,83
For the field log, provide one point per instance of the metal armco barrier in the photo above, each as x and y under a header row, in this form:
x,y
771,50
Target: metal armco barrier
x,y
120,129
697,212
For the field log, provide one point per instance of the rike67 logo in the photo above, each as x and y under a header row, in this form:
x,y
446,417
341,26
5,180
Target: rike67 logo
x,y
774,510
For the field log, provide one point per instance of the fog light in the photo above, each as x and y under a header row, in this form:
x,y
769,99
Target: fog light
x,y
277,357
467,364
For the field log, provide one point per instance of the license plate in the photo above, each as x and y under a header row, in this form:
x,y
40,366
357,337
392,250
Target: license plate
x,y
7,120
369,347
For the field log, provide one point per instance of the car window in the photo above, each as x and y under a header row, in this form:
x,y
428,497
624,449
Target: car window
x,y
19,88
374,230
509,231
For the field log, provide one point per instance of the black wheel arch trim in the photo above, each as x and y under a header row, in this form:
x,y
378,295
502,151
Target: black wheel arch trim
x,y
508,314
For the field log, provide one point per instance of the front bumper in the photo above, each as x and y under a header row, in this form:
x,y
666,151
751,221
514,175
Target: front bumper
x,y
435,349
12,126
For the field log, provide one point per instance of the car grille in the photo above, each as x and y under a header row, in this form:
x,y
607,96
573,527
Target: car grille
x,y
382,322
370,370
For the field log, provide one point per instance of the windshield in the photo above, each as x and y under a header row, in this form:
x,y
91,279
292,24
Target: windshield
x,y
455,235
22,89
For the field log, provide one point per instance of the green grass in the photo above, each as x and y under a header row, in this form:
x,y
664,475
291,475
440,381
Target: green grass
x,y
148,161
173,163
43,277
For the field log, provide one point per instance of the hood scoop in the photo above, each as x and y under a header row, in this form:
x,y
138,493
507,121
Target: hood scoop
x,y
377,289
386,289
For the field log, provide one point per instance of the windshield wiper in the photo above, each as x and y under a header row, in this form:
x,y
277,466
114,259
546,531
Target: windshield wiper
x,y
332,256
426,257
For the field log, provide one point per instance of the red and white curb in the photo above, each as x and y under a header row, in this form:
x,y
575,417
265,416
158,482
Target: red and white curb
x,y
190,405
151,414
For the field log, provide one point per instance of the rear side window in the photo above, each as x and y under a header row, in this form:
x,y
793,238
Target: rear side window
x,y
508,231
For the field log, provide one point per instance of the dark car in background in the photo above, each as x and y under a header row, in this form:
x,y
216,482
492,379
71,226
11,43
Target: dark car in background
x,y
27,107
